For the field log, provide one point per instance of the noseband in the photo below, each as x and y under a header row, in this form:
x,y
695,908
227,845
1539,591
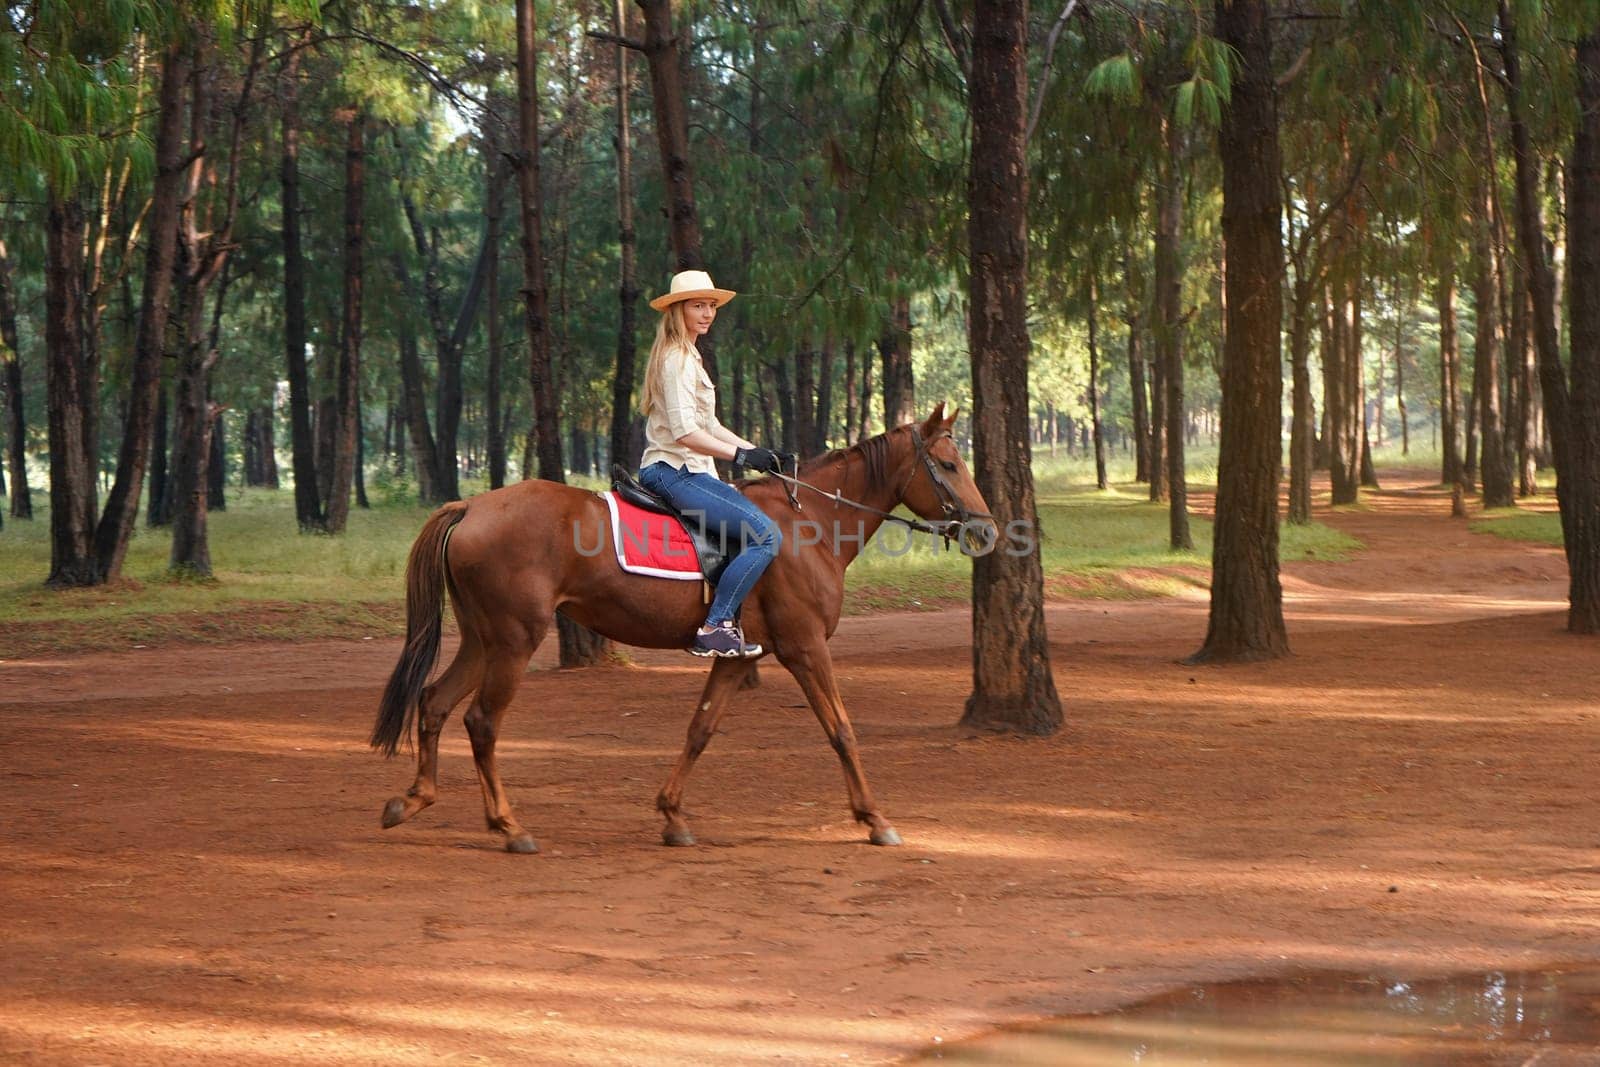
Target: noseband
x,y
955,513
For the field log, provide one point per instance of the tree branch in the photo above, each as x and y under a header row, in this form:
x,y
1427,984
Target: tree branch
x,y
1295,68
883,85
952,37
616,38
1049,60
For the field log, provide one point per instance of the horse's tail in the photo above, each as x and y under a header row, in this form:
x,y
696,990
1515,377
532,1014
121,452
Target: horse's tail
x,y
425,587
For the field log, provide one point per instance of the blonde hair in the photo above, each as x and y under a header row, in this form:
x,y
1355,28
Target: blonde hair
x,y
671,336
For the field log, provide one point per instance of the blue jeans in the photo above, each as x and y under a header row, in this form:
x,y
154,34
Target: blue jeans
x,y
745,528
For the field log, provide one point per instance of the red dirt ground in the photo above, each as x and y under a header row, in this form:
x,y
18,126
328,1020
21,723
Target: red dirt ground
x,y
193,870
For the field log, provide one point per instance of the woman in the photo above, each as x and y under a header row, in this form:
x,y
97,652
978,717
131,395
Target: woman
x,y
684,438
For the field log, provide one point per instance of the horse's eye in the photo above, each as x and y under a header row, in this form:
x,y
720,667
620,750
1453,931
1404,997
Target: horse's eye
x,y
947,465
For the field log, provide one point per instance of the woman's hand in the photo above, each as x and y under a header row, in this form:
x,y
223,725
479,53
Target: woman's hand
x,y
759,459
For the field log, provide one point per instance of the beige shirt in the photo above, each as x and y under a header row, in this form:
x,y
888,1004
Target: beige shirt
x,y
687,402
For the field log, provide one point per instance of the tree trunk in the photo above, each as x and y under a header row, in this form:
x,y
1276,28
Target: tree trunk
x,y
193,418
823,418
494,415
578,646
72,471
804,408
205,245
158,514
449,340
785,390
894,350
307,500
864,408
414,386
348,393
764,388
361,457
1301,428
1169,331
1141,416
1495,471
1369,472
255,448
1341,388
1372,408
193,422
672,140
1094,386
1158,420
1573,419
535,294
1400,376
1358,392
852,398
269,448
327,410
1012,686
217,471
624,448
122,504
1523,376
249,450
16,426
1322,449
1246,620
1449,378
1469,465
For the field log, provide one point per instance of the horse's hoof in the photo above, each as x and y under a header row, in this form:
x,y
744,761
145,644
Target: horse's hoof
x,y
522,844
394,813
677,838
886,835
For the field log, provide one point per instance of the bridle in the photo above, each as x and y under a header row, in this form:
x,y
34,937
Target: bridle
x,y
955,514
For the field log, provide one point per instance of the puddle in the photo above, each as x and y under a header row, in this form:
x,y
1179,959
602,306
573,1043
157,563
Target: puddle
x,y
1518,1018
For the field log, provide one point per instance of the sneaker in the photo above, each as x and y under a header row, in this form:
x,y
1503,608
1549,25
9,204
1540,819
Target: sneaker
x,y
727,640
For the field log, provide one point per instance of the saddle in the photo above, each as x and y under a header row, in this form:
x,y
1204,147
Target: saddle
x,y
709,548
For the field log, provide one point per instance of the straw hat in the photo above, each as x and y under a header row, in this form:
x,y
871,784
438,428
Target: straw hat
x,y
691,285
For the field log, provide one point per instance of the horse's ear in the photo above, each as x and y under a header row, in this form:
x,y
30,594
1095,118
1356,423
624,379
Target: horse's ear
x,y
938,414
950,420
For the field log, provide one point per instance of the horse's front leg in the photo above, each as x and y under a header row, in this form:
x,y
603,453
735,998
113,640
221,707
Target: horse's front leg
x,y
812,666
726,676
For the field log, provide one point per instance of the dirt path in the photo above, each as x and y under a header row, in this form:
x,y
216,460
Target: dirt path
x,y
193,871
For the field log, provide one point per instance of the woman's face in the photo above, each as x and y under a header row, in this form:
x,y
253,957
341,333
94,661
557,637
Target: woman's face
x,y
698,315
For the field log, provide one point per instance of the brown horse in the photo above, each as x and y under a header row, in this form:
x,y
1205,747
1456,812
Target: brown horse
x,y
513,557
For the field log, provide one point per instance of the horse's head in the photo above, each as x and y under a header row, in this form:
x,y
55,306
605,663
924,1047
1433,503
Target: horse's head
x,y
940,488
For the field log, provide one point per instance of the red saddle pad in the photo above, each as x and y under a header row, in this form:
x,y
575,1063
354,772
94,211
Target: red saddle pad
x,y
648,542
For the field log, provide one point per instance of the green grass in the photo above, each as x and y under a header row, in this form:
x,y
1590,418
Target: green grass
x,y
270,582
1103,545
274,583
256,552
1516,524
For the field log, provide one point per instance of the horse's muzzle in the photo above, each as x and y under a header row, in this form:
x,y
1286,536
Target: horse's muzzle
x,y
977,537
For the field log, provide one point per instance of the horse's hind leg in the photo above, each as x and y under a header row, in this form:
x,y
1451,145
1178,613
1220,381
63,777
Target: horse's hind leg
x,y
502,674
438,700
726,676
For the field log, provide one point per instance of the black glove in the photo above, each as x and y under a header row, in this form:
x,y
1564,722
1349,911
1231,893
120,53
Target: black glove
x,y
788,462
758,459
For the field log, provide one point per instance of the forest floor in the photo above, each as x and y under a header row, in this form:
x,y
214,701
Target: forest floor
x,y
193,870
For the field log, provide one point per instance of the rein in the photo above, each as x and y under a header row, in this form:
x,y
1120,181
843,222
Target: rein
x,y
956,516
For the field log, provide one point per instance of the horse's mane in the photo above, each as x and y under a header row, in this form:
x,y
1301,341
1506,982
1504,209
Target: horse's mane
x,y
874,450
